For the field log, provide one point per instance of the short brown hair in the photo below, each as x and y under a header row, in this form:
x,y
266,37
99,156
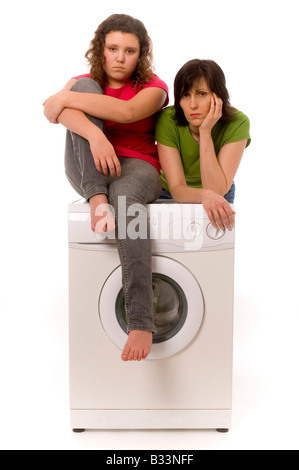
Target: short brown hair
x,y
195,70
124,24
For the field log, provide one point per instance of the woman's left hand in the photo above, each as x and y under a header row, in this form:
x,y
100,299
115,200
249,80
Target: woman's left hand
x,y
54,106
219,211
214,115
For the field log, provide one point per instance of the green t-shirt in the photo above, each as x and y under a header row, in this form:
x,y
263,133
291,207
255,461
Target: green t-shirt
x,y
170,134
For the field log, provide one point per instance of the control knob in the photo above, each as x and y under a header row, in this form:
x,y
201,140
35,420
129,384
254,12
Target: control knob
x,y
194,230
215,233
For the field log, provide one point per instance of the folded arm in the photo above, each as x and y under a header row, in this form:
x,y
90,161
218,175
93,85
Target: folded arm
x,y
146,103
219,211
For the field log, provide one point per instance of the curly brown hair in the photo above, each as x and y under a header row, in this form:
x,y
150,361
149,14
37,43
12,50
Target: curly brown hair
x,y
123,24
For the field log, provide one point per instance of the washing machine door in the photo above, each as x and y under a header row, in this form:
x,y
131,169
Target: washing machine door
x,y
178,307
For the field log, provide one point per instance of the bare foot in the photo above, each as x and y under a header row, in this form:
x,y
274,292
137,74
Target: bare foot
x,y
138,345
102,219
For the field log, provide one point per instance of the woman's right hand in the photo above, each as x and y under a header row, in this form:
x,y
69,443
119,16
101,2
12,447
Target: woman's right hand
x,y
218,209
105,158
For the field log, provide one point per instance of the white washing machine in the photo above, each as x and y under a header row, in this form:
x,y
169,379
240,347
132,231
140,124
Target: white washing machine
x,y
186,382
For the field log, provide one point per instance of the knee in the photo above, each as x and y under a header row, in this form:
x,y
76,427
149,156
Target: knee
x,y
87,85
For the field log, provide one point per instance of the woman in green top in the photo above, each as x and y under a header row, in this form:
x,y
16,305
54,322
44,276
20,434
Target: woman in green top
x,y
201,141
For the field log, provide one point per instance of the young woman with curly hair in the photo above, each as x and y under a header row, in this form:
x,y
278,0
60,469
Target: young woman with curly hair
x,y
125,24
111,152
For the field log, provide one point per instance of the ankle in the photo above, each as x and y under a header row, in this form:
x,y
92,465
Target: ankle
x,y
98,199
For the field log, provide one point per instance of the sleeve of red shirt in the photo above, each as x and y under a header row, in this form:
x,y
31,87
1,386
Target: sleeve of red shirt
x,y
156,82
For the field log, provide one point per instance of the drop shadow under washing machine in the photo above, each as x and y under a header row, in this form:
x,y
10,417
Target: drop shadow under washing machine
x,y
186,382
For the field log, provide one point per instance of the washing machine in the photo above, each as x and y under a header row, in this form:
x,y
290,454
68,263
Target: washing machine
x,y
186,381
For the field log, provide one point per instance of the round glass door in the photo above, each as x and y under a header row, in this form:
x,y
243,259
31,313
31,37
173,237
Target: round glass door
x,y
170,308
178,308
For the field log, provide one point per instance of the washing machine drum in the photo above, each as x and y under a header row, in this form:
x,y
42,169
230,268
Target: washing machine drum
x,y
178,308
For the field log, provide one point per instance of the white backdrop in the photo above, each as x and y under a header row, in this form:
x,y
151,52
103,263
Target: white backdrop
x,y
42,46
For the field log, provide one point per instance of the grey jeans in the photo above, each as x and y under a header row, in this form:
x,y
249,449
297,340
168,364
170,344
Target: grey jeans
x,y
139,184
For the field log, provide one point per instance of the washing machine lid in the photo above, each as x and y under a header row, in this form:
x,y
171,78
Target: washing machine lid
x,y
185,310
173,228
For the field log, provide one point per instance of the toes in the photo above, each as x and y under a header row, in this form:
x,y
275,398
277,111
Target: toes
x,y
141,356
133,355
138,346
101,226
125,354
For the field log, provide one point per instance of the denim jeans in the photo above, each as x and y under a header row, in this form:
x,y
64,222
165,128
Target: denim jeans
x,y
230,196
138,184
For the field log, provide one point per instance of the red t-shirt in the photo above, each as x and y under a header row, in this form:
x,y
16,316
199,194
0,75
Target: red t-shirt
x,y
137,139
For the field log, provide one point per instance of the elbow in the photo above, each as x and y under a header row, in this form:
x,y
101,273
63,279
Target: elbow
x,y
227,188
221,189
178,192
127,116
